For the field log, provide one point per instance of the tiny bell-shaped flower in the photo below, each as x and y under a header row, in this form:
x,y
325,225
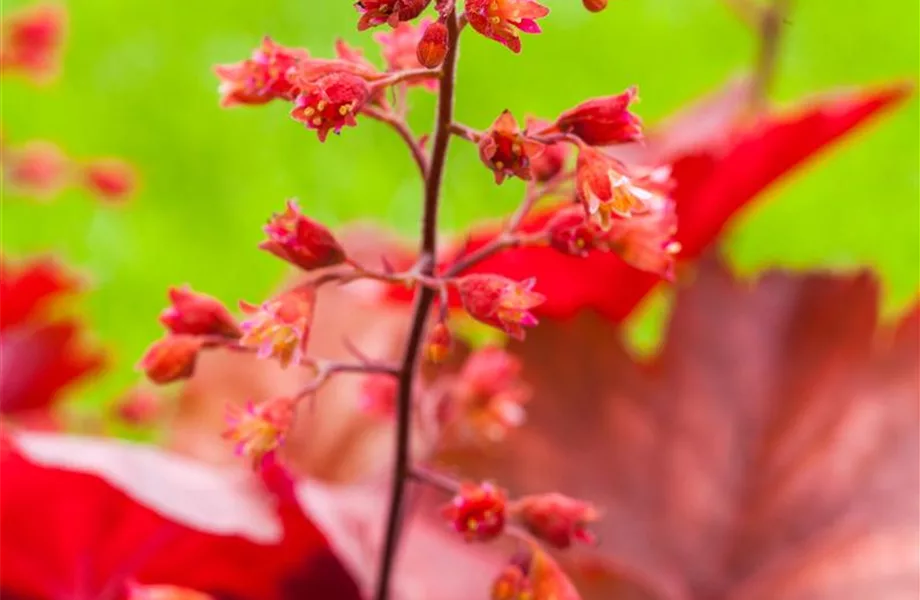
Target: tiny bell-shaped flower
x,y
556,519
378,12
259,429
109,179
171,358
280,327
477,511
259,79
500,20
571,233
604,189
331,103
500,302
300,240
432,47
603,121
646,241
438,343
377,395
595,5
194,313
505,150
550,162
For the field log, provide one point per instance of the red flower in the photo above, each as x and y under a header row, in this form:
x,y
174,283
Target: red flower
x,y
110,179
85,519
437,343
556,519
39,357
32,39
570,233
139,407
604,189
595,5
432,47
331,102
171,358
195,313
512,584
37,168
506,151
646,241
477,511
301,241
400,48
262,78
500,302
500,20
280,327
550,162
378,12
603,121
260,429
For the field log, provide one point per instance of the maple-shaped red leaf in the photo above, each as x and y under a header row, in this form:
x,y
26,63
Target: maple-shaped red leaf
x,y
720,162
40,355
84,518
770,451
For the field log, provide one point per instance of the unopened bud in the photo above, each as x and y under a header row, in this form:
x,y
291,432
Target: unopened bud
x,y
595,5
171,358
433,46
437,344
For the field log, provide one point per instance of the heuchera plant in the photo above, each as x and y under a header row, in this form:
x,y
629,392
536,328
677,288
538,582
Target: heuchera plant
x,y
618,208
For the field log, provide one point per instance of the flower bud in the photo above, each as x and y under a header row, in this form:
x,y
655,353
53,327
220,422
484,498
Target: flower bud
x,y
171,358
38,169
477,511
571,233
603,121
32,41
595,5
301,241
500,302
378,12
432,48
111,180
550,162
437,343
194,313
556,519
139,407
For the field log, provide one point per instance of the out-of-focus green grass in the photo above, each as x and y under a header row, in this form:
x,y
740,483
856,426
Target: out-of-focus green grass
x,y
137,83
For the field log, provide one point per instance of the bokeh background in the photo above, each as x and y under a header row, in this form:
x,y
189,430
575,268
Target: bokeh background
x,y
137,83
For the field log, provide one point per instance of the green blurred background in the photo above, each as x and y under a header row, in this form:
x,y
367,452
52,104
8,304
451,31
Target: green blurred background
x,y
137,83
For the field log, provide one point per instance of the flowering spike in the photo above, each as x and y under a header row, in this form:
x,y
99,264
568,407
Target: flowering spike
x,y
500,20
300,240
378,395
556,519
432,47
604,189
505,150
171,358
378,12
259,429
280,327
194,313
331,103
438,343
477,511
550,162
109,179
261,78
31,41
500,302
595,5
603,121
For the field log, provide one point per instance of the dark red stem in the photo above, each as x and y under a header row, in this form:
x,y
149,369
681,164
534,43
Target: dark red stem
x,y
423,301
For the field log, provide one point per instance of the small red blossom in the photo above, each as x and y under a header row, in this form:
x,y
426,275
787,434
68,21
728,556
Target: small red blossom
x,y
550,162
262,78
571,233
378,395
603,121
139,407
280,327
595,5
331,103
477,511
194,313
378,12
31,41
512,584
604,189
137,591
432,47
500,20
109,179
300,240
438,343
500,302
556,519
171,358
260,429
646,241
505,150
37,168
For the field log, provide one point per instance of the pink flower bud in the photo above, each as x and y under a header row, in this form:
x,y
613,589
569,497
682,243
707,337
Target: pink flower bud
x,y
194,313
37,169
477,511
432,47
111,180
595,5
505,150
331,102
301,241
556,519
603,121
438,343
32,40
171,358
500,302
260,429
